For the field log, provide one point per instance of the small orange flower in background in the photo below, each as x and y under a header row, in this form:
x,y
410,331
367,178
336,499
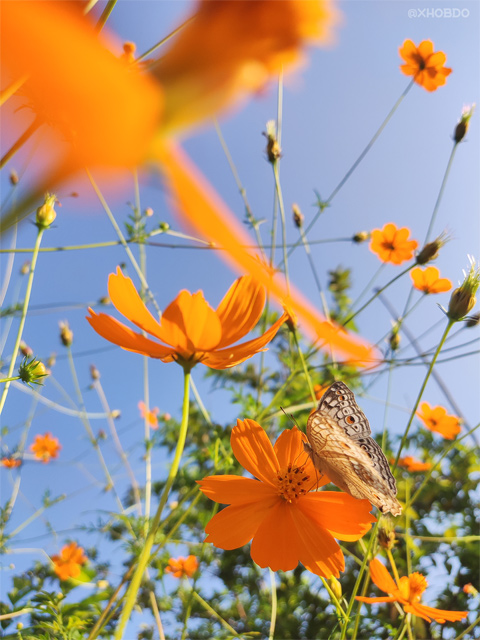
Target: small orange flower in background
x,y
428,280
412,464
67,564
288,521
10,463
469,589
437,419
190,331
45,447
408,592
424,65
182,567
319,390
391,244
151,416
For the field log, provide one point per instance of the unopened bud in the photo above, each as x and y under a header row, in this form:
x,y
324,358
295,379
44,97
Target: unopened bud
x,y
462,127
116,413
13,177
386,535
273,149
102,435
431,249
66,334
473,321
166,417
19,626
32,372
298,216
25,350
25,268
470,589
46,214
361,236
149,212
128,54
94,372
104,300
463,298
103,584
51,360
164,226
335,586
394,340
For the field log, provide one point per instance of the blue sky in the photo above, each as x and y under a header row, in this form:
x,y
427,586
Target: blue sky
x,y
331,110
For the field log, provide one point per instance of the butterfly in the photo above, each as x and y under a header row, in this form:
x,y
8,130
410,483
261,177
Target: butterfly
x,y
340,446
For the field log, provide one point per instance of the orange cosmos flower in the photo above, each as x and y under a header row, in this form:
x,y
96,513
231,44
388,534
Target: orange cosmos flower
x,y
436,419
392,245
424,65
182,567
408,592
231,49
67,564
190,331
45,447
288,521
428,280
10,463
411,464
150,416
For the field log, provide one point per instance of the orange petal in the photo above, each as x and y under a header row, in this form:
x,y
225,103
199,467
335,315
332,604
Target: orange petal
x,y
126,300
381,577
190,324
116,332
439,615
373,600
240,309
231,356
198,205
230,489
344,516
289,446
236,525
319,552
425,49
254,451
276,543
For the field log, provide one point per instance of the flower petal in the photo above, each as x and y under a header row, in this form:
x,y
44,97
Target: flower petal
x,y
126,300
344,516
439,615
240,309
254,451
116,332
236,525
319,552
276,543
190,324
373,600
230,489
381,577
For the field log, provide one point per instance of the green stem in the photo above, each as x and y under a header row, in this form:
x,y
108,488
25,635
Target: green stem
x,y
214,614
273,617
422,389
20,142
23,317
12,379
440,193
143,560
105,15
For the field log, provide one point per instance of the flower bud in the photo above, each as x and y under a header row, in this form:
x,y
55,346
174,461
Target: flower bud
x,y
273,149
463,124
51,360
335,586
463,298
470,589
46,214
164,226
361,236
25,268
473,320
66,334
431,249
394,339
149,212
94,372
103,584
116,413
386,534
31,372
25,350
104,300
13,177
298,216
128,54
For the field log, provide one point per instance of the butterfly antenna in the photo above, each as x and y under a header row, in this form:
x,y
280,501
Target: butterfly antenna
x,y
289,415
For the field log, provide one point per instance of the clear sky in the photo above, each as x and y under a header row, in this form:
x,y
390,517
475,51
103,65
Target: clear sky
x,y
331,109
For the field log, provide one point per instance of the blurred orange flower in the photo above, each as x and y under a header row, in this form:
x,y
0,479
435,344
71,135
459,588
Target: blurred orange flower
x,y
45,447
319,390
232,49
408,592
424,65
182,567
428,280
288,521
411,464
150,416
190,331
10,463
391,244
436,419
67,564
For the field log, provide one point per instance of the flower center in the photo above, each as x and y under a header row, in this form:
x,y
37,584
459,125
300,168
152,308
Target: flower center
x,y
418,584
389,246
291,482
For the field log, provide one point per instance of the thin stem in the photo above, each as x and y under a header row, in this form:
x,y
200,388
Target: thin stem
x,y
214,614
23,317
12,89
422,389
156,615
273,617
143,560
440,193
466,631
199,401
304,367
163,41
105,15
18,144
